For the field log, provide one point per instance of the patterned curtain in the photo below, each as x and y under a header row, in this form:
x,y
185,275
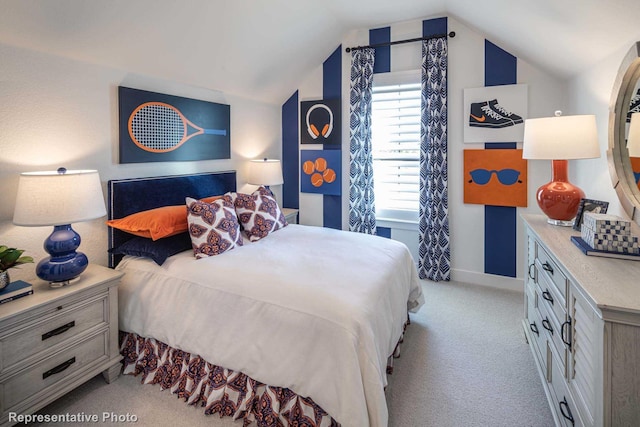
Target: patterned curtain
x,y
362,214
433,240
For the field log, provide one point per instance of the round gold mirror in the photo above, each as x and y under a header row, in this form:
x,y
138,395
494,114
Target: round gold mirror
x,y
625,100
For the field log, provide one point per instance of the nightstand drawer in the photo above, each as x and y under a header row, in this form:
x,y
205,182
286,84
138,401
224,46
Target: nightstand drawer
x,y
38,379
41,333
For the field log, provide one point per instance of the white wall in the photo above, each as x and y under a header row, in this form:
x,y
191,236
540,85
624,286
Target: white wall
x,y
59,112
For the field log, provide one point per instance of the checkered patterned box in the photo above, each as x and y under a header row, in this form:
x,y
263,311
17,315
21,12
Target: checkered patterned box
x,y
606,224
620,243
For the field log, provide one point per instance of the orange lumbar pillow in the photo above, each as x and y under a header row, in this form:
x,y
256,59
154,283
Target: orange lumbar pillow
x,y
156,223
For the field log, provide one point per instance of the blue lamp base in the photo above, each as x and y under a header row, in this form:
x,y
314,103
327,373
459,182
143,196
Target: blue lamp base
x,y
64,263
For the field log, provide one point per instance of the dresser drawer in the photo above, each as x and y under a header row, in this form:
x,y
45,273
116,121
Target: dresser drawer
x,y
552,299
551,329
563,403
536,332
41,333
548,267
38,378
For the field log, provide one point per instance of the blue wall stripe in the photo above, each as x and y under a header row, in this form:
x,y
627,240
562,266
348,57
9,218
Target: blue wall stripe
x,y
500,67
431,27
332,89
332,75
382,63
500,240
383,232
290,168
500,222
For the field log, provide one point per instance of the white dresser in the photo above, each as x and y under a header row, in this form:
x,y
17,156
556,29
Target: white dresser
x,y
56,339
582,322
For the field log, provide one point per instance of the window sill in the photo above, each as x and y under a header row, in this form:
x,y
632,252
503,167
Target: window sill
x,y
401,224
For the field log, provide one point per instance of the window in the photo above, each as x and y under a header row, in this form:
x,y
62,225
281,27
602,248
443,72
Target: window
x,y
395,132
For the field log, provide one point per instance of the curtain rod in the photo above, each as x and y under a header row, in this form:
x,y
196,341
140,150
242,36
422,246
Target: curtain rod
x,y
417,39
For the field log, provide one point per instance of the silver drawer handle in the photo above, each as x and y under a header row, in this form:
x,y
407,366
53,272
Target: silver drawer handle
x,y
61,367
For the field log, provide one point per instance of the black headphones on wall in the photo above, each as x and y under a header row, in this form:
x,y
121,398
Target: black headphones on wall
x,y
326,129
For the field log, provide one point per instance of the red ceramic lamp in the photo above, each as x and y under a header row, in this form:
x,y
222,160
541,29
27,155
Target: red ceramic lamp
x,y
559,139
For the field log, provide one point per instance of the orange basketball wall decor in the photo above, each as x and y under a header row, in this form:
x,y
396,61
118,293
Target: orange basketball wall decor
x,y
496,177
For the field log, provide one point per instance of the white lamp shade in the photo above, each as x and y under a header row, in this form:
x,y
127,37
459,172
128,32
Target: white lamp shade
x,y
633,138
52,198
561,138
265,172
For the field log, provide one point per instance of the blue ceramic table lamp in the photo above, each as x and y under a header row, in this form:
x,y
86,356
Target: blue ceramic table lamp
x,y
59,198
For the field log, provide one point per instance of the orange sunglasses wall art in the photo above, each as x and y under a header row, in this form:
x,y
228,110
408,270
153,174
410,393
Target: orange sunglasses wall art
x,y
495,177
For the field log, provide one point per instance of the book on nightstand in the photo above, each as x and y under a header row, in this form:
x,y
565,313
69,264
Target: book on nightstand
x,y
15,290
588,250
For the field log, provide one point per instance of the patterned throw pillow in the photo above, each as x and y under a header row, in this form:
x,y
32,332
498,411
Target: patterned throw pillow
x,y
213,227
258,213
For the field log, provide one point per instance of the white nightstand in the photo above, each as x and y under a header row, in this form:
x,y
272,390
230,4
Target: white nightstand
x,y
56,339
291,215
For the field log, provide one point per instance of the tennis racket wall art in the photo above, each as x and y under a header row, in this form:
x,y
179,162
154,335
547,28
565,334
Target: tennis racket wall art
x,y
155,127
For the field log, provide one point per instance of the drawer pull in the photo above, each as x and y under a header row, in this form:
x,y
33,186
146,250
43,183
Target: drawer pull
x,y
534,328
531,276
566,338
546,295
61,367
564,404
547,267
547,325
57,331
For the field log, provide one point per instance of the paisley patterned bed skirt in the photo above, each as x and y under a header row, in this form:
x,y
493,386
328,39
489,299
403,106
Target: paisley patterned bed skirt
x,y
220,390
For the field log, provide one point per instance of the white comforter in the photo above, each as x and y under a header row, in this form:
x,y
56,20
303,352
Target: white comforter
x,y
313,309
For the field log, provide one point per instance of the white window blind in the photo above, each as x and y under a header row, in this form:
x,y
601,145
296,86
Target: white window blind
x,y
396,146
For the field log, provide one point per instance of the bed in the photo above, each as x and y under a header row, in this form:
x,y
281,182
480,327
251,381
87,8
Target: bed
x,y
295,328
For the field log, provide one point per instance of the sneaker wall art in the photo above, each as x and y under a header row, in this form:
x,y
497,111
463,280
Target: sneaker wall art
x,y
495,113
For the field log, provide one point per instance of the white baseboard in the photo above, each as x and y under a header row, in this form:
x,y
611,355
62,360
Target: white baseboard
x,y
490,280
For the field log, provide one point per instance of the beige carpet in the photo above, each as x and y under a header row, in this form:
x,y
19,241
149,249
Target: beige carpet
x,y
464,363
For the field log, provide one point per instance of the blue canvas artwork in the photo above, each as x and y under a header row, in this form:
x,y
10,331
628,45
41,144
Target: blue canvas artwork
x,y
321,172
155,127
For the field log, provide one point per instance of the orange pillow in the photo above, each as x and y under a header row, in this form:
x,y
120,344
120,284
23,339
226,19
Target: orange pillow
x,y
156,223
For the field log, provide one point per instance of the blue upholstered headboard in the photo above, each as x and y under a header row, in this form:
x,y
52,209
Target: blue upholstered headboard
x,y
128,196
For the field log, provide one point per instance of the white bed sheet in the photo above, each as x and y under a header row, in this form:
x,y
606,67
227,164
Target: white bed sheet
x,y
313,309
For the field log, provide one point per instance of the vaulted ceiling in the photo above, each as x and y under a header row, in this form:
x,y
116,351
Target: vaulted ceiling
x,y
261,49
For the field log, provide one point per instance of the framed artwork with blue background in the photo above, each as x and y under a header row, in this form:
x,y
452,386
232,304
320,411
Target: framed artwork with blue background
x,y
320,122
156,127
321,172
